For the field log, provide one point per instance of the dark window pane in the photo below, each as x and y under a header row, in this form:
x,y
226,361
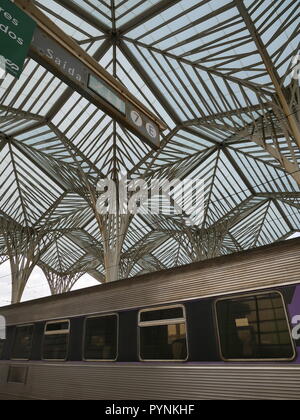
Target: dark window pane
x,y
22,343
55,347
62,326
101,338
163,342
254,328
1,347
172,313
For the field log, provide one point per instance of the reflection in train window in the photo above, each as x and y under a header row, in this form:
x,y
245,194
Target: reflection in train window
x,y
1,348
101,337
56,338
22,342
165,313
254,327
161,337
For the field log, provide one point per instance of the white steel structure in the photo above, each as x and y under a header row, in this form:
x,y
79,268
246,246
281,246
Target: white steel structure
x,y
223,77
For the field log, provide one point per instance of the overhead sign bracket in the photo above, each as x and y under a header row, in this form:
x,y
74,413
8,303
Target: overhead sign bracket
x,y
61,55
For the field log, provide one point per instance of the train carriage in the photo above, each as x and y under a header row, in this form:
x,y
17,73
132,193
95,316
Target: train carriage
x,y
226,328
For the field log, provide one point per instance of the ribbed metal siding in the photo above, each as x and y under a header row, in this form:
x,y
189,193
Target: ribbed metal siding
x,y
121,382
264,268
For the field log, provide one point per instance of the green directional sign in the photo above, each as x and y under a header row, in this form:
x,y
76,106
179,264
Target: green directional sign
x,y
16,32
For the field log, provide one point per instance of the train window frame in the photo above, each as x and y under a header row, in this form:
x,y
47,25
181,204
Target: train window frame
x,y
62,332
253,360
84,335
144,324
14,340
2,345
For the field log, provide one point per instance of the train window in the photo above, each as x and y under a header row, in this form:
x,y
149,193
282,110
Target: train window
x,y
2,334
254,328
165,313
163,334
1,348
22,342
101,337
56,339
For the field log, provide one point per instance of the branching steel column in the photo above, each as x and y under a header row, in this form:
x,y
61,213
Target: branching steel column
x,y
60,283
113,229
293,124
207,243
24,248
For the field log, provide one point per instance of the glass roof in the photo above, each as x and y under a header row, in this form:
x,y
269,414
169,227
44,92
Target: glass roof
x,y
218,73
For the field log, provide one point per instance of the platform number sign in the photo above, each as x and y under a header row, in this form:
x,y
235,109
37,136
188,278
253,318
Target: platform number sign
x,y
136,118
152,131
149,129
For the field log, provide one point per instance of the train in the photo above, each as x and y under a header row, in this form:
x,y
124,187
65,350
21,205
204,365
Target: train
x,y
226,328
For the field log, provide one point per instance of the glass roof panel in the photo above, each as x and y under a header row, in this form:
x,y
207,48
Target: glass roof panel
x,y
95,8
126,10
198,67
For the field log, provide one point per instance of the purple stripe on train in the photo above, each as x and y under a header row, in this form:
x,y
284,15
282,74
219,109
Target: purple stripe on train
x,y
294,311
